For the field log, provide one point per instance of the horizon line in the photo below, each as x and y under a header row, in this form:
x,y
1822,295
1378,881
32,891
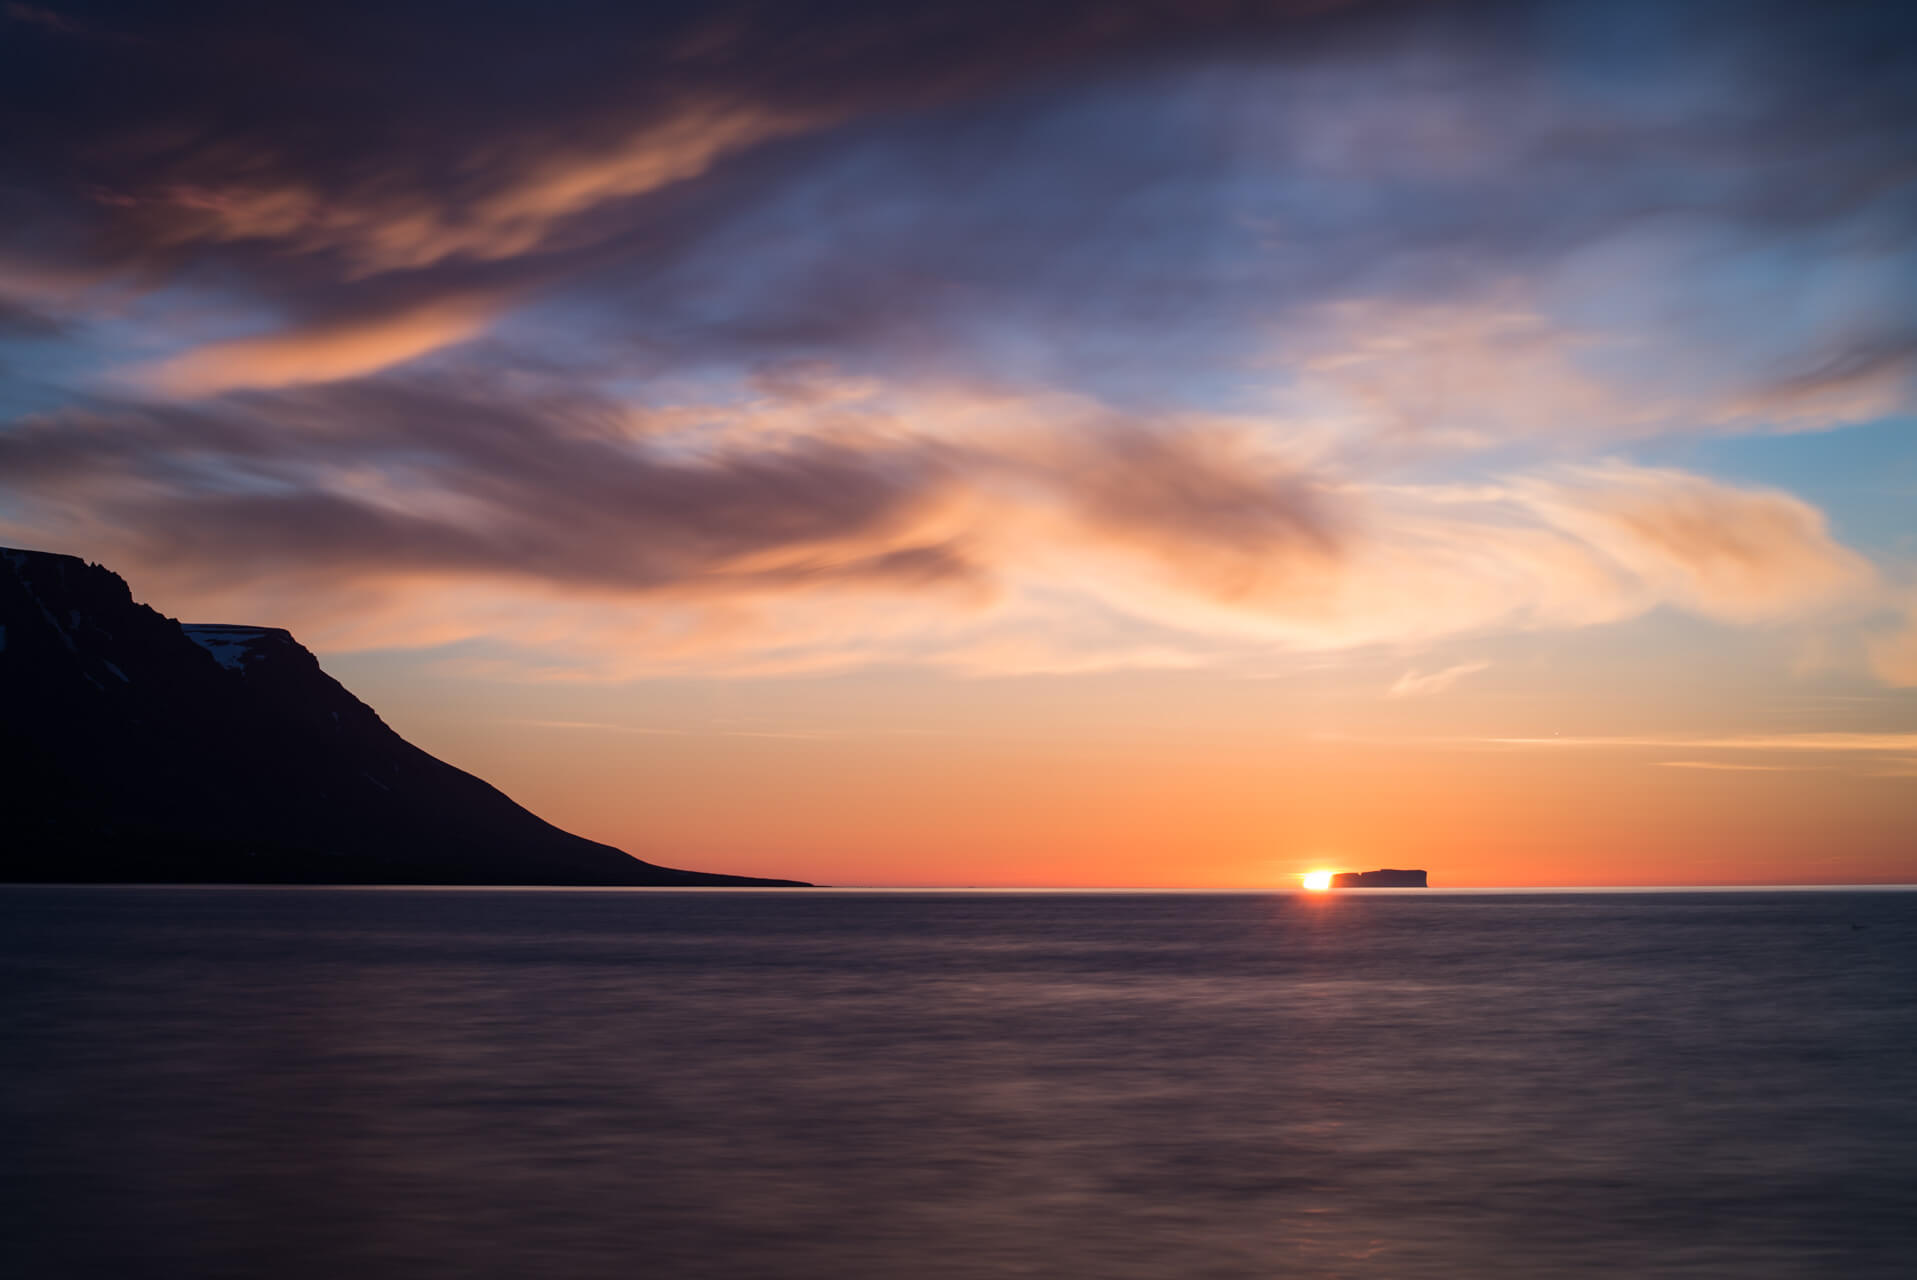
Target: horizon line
x,y
1239,891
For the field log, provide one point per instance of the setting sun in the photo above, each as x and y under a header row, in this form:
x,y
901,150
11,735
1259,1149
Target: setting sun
x,y
1317,881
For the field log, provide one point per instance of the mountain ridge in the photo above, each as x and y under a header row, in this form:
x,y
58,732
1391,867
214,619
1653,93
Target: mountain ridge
x,y
135,748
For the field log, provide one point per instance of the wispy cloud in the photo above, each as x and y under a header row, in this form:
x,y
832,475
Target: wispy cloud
x,y
683,339
1796,742
798,735
517,198
54,22
1414,685
1728,766
886,523
1893,653
326,352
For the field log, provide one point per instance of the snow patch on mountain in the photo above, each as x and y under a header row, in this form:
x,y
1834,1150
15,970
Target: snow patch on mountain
x,y
232,647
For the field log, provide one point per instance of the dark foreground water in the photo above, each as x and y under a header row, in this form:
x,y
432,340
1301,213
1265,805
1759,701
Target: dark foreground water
x,y
364,1084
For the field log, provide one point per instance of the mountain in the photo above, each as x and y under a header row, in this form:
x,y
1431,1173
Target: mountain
x,y
135,749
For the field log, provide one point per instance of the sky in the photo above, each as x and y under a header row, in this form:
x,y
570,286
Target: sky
x,y
1134,443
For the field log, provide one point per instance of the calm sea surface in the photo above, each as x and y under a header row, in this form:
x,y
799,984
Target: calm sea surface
x,y
532,1084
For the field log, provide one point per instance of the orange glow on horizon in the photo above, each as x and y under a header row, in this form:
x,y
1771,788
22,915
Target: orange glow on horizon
x,y
1317,881
856,782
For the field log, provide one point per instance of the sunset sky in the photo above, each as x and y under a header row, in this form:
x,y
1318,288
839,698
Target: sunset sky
x,y
1175,443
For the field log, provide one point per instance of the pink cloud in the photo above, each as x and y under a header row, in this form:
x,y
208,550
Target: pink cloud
x,y
325,352
920,525
1736,554
518,195
1893,653
1412,684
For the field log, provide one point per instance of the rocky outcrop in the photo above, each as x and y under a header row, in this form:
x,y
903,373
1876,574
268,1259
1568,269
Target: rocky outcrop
x,y
1386,878
136,749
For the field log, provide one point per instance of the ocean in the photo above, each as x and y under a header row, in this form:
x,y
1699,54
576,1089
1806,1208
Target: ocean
x,y
361,1084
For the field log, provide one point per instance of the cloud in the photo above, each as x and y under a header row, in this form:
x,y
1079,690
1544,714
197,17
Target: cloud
x,y
408,136
1725,766
325,352
1413,685
1737,554
22,320
1794,742
1893,654
47,20
1457,375
1852,383
988,336
822,735
390,223
920,525
1480,372
1394,227
1211,511
409,479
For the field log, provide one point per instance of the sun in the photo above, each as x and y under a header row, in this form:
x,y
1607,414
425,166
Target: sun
x,y
1317,881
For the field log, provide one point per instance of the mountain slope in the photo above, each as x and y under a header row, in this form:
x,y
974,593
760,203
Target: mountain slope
x,y
135,749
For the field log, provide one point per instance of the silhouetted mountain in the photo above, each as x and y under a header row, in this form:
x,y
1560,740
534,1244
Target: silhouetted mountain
x,y
1386,878
135,749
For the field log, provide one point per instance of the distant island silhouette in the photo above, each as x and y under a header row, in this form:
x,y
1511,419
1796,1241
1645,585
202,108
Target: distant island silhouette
x,y
1385,878
136,749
